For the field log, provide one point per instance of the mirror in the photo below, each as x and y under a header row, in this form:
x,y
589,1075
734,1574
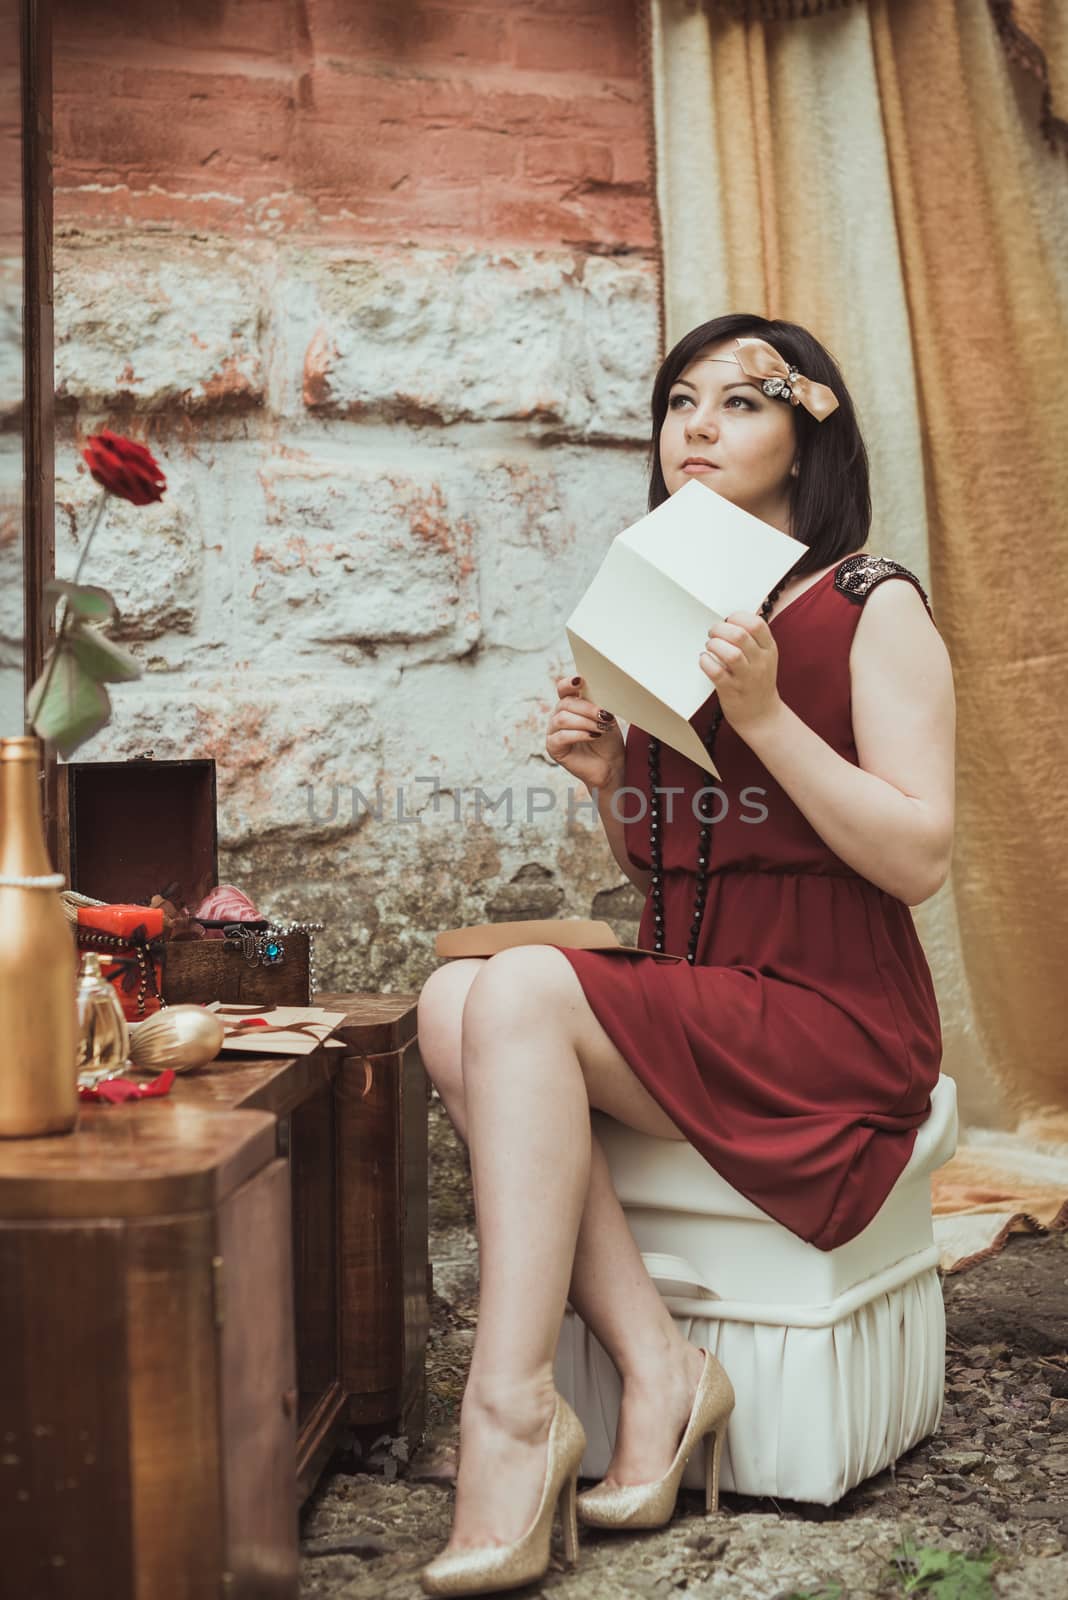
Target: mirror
x,y
12,582
27,402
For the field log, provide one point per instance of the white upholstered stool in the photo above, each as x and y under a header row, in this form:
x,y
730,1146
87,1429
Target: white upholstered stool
x,y
837,1356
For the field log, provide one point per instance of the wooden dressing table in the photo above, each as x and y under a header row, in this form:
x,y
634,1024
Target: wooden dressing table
x,y
198,1295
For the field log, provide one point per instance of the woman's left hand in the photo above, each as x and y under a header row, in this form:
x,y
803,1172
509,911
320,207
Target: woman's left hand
x,y
742,660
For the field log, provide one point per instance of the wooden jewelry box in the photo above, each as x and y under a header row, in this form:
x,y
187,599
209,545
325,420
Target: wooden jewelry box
x,y
144,827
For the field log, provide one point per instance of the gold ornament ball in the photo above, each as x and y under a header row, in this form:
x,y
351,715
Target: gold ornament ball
x,y
179,1037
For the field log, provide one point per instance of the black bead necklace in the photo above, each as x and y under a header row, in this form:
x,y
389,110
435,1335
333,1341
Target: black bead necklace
x,y
704,840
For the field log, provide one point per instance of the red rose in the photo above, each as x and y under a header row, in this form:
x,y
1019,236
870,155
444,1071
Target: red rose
x,y
124,468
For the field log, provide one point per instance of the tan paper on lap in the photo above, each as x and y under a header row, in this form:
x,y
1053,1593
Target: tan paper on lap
x,y
572,933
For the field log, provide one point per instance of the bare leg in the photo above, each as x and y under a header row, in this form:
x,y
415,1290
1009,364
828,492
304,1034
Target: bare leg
x,y
529,1137
608,1285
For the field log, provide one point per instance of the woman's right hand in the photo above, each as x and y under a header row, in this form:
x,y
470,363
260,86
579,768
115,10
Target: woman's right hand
x,y
584,740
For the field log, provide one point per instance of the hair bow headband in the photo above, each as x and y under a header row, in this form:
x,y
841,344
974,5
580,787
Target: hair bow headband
x,y
758,359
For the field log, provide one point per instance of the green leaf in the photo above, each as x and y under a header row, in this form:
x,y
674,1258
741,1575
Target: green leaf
x,y
962,1579
946,1574
75,707
930,1561
101,658
84,599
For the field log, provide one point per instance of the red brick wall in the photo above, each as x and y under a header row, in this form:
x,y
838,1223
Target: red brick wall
x,y
435,121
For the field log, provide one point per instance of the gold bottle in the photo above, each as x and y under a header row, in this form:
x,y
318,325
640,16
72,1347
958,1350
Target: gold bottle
x,y
38,964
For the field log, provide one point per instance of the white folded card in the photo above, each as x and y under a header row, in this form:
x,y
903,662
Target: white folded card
x,y
638,630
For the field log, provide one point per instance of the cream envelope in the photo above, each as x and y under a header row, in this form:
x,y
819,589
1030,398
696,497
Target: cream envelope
x,y
280,1036
638,630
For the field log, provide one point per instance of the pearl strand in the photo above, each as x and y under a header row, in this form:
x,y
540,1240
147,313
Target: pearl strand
x,y
47,880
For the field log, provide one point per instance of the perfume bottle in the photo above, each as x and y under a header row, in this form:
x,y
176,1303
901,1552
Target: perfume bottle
x,y
104,1038
38,962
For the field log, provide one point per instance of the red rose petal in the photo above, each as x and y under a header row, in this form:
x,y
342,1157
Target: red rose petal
x,y
124,468
117,1091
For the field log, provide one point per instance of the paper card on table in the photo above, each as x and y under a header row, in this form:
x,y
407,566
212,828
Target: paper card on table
x,y
289,1031
639,628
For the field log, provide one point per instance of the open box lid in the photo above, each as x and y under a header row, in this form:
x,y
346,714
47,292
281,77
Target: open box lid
x,y
142,827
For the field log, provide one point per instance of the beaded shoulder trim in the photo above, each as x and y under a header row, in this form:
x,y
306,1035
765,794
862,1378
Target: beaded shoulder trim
x,y
858,575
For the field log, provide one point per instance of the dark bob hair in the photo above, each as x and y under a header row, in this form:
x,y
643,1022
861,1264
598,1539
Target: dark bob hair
x,y
830,498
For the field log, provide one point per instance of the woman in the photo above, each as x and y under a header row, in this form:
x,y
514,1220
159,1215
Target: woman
x,y
795,1038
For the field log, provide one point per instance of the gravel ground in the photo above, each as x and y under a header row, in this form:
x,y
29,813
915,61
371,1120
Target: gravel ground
x,y
980,1509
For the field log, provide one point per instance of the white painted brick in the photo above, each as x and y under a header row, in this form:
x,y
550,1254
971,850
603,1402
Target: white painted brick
x,y
556,339
553,338
161,323
545,521
11,576
351,552
271,737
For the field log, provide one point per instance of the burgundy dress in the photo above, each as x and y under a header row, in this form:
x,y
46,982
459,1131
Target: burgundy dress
x,y
799,1052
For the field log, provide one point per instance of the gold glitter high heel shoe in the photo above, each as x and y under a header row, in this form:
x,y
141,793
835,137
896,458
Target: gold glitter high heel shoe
x,y
650,1505
507,1566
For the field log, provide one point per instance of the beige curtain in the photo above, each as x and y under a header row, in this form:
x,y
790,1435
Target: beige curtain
x,y
1031,34
887,174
